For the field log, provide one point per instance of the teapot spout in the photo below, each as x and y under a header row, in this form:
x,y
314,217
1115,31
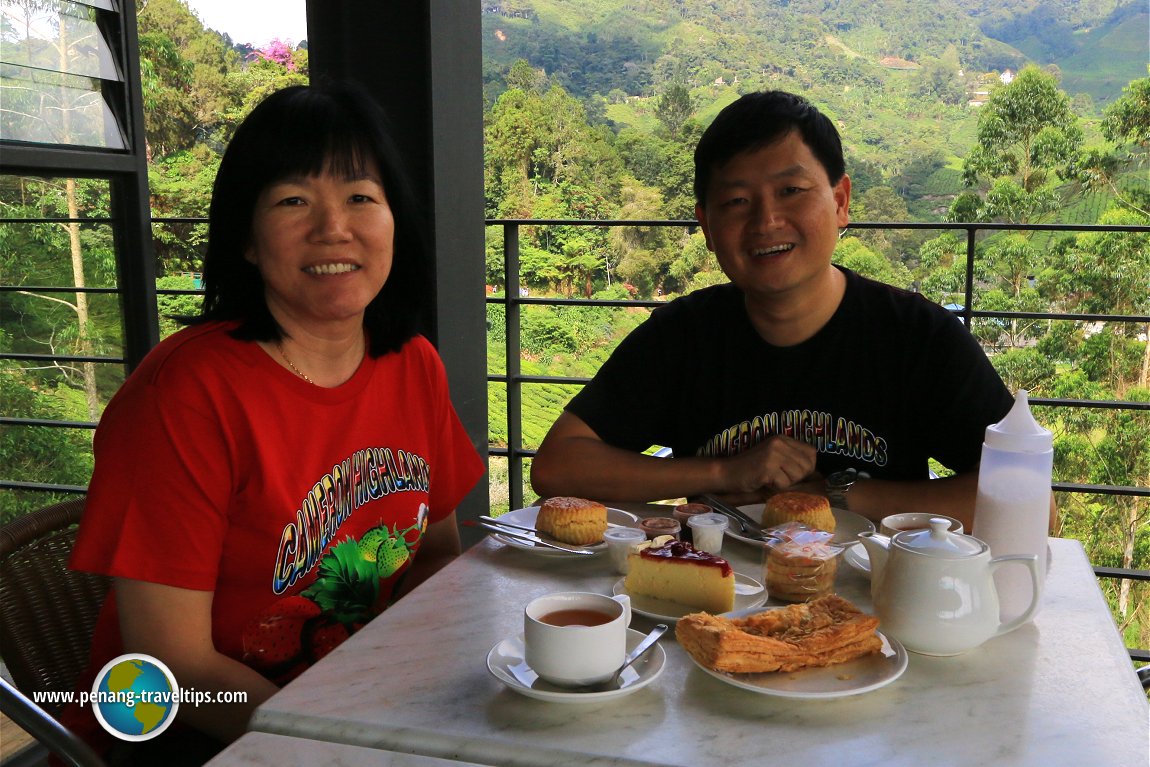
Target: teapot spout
x,y
877,548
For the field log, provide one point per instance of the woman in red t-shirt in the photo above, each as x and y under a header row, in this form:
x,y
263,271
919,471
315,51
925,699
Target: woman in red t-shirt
x,y
272,477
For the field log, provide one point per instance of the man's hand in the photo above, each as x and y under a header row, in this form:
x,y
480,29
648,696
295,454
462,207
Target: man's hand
x,y
777,463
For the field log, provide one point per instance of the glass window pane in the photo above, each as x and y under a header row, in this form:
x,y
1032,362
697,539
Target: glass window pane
x,y
106,5
54,108
62,38
40,245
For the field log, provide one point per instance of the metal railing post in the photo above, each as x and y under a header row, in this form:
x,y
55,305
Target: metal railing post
x,y
511,361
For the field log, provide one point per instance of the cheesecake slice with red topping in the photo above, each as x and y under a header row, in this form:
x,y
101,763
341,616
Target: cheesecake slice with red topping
x,y
669,569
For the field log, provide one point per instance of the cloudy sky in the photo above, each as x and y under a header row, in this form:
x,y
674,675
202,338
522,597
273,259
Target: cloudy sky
x,y
254,21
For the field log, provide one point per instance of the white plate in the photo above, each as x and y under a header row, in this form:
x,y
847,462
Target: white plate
x,y
853,678
847,525
526,518
506,663
748,593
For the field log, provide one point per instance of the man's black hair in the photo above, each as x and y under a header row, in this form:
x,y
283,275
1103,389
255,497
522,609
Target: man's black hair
x,y
759,119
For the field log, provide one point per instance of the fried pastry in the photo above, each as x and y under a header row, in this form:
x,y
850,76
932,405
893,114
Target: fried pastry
x,y
825,632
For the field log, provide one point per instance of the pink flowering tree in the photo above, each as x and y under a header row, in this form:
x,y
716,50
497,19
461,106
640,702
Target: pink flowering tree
x,y
280,52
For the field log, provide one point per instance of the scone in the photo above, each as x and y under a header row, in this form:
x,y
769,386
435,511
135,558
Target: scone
x,y
572,520
812,510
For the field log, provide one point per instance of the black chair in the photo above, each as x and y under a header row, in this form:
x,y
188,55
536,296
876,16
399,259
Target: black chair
x,y
47,615
40,725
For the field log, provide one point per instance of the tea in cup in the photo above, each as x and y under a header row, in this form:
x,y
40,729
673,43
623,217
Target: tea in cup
x,y
916,520
576,638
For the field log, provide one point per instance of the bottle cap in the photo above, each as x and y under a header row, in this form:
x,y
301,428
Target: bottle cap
x,y
1018,431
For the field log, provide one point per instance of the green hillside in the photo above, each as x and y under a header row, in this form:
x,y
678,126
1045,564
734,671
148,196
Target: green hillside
x,y
898,78
1109,58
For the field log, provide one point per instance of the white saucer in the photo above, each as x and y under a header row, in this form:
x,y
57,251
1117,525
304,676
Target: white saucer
x,y
856,557
848,525
526,518
852,678
748,593
506,663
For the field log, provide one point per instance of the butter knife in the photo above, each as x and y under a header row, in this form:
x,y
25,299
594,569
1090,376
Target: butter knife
x,y
505,531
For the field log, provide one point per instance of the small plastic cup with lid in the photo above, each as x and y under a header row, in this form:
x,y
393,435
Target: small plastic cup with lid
x,y
656,526
684,511
707,531
620,542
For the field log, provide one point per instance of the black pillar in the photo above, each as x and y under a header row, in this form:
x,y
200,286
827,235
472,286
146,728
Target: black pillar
x,y
423,61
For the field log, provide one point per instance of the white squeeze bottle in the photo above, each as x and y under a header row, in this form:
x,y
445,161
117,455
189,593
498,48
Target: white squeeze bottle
x,y
1012,512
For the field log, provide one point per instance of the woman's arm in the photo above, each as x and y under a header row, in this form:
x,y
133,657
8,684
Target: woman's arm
x,y
175,626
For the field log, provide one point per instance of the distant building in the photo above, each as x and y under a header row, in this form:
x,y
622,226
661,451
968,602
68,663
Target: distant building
x,y
1006,77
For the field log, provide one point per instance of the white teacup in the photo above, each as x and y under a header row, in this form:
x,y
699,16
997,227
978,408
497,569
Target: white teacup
x,y
915,520
575,638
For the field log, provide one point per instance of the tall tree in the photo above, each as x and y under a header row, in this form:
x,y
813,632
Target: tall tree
x,y
674,108
1028,138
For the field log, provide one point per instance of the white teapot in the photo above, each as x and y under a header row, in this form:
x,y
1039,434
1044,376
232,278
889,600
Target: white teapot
x,y
934,591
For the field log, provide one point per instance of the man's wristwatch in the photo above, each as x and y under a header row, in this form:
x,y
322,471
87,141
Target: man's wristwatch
x,y
839,484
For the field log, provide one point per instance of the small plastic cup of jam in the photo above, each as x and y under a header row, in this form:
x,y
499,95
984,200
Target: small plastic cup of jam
x,y
656,526
683,512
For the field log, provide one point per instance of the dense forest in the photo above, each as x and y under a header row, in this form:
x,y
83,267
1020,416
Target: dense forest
x,y
1016,111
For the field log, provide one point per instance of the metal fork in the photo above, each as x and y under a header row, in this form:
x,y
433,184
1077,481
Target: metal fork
x,y
746,523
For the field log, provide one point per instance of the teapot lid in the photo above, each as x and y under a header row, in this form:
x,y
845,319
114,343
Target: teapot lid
x,y
938,541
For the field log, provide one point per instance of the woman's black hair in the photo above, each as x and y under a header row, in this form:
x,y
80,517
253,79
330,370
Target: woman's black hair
x,y
758,119
305,131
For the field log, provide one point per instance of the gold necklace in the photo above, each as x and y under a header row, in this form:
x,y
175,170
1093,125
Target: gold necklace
x,y
291,364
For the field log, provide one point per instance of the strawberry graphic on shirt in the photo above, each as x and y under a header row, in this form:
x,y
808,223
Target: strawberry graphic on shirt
x,y
295,631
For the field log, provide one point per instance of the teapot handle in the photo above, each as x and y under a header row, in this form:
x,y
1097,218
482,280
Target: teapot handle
x,y
1031,562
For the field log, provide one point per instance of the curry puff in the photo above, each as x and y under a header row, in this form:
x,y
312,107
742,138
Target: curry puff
x,y
825,632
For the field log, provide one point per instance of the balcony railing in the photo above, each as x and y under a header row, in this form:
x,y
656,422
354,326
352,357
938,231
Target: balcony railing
x,y
513,378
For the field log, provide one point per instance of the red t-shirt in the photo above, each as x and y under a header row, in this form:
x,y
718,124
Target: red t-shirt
x,y
219,470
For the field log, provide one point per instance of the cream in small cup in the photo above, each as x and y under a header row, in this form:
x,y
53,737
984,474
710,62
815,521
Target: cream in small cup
x,y
620,542
576,638
707,531
916,520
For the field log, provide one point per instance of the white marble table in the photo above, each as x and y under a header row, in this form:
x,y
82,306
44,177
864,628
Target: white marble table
x,y
262,749
1060,691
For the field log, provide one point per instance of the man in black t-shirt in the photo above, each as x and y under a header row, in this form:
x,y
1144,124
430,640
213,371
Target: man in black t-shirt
x,y
793,372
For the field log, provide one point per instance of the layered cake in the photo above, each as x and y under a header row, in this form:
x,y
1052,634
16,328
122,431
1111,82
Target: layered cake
x,y
809,509
669,569
572,520
825,632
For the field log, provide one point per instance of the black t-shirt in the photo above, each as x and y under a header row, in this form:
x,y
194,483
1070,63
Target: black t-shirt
x,y
890,381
